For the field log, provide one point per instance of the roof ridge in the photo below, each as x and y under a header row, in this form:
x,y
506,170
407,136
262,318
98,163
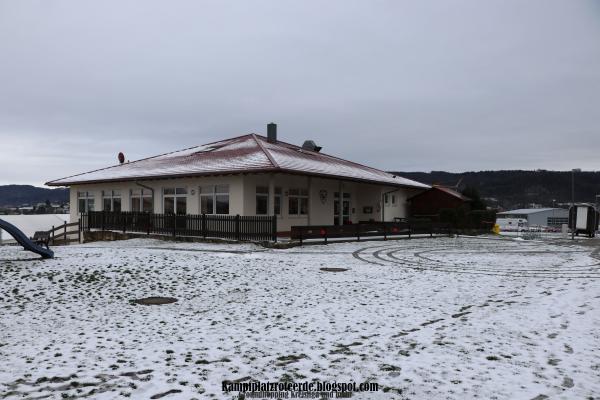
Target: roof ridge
x,y
334,157
264,150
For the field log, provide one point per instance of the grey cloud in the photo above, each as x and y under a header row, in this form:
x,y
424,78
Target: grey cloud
x,y
458,85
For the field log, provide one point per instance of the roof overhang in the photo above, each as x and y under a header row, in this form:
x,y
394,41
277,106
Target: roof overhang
x,y
56,183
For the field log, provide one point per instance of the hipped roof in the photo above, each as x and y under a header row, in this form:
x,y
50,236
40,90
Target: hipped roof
x,y
243,154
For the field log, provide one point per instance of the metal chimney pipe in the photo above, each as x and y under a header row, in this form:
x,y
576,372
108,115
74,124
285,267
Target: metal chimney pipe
x,y
272,133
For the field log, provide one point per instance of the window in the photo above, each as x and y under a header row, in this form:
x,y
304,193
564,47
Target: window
x,y
557,221
298,202
262,200
175,201
85,201
141,200
111,200
393,199
386,198
214,199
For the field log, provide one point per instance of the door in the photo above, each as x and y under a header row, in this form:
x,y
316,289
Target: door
x,y
345,208
582,216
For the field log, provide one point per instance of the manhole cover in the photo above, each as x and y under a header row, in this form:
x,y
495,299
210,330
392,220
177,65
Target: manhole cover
x,y
152,301
334,269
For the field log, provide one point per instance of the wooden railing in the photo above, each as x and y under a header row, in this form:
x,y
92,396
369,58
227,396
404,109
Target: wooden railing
x,y
62,235
362,230
233,227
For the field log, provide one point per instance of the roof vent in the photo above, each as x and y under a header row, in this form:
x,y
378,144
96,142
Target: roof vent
x,y
121,158
311,146
272,133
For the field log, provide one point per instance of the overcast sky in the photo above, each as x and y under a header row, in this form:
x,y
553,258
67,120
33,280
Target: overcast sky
x,y
398,85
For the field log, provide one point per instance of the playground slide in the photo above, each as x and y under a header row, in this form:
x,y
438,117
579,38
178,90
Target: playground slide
x,y
24,241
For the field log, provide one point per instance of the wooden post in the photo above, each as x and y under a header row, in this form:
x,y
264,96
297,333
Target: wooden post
x,y
274,228
237,227
65,231
204,226
79,230
174,224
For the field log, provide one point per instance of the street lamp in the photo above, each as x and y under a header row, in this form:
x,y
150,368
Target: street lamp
x,y
573,201
596,213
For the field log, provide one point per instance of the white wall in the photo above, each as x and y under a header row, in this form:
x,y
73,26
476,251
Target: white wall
x,y
400,208
191,184
242,196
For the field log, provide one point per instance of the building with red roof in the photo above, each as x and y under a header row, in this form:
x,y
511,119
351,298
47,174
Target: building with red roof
x,y
246,175
430,202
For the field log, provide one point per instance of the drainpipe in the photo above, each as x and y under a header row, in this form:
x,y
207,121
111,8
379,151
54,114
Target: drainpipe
x,y
145,187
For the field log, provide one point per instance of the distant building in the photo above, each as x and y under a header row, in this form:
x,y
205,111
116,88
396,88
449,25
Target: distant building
x,y
430,202
553,217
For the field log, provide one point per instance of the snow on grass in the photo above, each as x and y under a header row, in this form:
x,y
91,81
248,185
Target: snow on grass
x,y
425,318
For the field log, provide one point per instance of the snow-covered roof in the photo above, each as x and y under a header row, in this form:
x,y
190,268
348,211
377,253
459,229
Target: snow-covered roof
x,y
248,153
528,211
452,192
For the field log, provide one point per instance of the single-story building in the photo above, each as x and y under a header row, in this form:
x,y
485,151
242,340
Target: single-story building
x,y
429,202
553,217
246,175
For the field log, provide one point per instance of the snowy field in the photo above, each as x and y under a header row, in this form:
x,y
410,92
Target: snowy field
x,y
444,318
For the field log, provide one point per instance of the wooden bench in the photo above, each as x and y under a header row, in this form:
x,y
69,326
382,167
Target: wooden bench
x,y
41,238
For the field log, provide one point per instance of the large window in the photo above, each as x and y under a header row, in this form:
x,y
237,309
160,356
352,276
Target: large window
x,y
262,200
175,201
111,200
141,200
85,201
298,202
214,199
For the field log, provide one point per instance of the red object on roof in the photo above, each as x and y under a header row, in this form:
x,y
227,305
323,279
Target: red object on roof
x,y
248,153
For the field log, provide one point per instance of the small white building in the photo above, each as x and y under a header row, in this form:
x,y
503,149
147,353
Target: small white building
x,y
551,217
247,175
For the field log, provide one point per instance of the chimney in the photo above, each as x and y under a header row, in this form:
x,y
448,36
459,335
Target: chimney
x,y
272,133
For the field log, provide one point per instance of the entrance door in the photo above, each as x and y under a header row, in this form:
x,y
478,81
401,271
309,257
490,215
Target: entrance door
x,y
345,208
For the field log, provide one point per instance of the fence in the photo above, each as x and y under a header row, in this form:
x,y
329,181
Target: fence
x,y
361,230
233,227
61,235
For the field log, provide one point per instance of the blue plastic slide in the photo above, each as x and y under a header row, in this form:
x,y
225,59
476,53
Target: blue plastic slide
x,y
24,241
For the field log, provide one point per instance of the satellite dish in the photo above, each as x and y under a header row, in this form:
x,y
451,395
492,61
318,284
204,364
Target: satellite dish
x,y
121,158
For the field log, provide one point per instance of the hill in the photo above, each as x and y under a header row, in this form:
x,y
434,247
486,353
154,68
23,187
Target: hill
x,y
17,195
517,188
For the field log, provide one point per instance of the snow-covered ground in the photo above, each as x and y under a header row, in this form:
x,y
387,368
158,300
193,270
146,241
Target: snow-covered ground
x,y
455,318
